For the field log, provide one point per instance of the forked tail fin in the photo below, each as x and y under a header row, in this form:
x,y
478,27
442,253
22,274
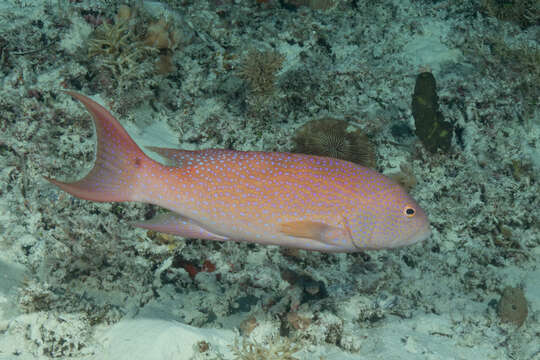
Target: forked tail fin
x,y
119,161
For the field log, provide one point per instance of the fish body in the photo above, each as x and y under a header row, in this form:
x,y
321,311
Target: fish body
x,y
293,200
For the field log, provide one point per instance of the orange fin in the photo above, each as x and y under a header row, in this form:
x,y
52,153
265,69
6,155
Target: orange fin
x,y
177,224
177,156
118,160
314,230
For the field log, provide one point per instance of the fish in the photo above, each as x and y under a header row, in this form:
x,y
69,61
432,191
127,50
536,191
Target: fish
x,y
272,198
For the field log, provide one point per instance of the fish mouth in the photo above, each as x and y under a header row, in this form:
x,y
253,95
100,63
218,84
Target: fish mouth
x,y
421,235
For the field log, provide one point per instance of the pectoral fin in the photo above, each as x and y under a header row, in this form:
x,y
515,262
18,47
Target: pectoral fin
x,y
314,230
176,224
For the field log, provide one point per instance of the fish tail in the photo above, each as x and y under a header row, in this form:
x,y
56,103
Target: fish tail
x,y
119,165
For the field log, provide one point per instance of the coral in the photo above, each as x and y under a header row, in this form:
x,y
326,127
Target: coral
x,y
259,69
4,53
512,307
433,131
124,46
311,289
329,137
193,268
281,349
517,62
36,297
314,4
160,35
405,177
524,59
163,239
47,335
248,325
110,39
525,13
297,321
117,46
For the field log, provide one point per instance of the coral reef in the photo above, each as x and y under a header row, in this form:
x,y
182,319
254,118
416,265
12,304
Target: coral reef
x,y
85,267
523,58
125,49
117,46
405,177
161,35
525,13
329,137
314,4
433,131
48,335
259,69
277,349
512,307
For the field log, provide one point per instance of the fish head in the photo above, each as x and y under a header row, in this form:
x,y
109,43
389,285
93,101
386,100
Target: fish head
x,y
389,219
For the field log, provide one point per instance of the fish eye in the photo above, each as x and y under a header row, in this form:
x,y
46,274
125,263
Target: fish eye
x,y
409,211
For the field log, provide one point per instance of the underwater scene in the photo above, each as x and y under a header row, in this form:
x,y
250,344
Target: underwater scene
x,y
270,179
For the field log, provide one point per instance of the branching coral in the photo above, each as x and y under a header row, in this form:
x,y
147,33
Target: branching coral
x,y
124,47
117,46
111,39
119,52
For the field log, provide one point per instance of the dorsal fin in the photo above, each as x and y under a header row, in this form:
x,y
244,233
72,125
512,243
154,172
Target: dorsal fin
x,y
178,157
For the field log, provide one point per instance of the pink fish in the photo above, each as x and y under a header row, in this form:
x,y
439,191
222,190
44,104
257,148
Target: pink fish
x,y
292,200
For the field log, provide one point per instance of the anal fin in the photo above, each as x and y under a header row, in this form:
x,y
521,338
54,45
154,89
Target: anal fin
x,y
176,224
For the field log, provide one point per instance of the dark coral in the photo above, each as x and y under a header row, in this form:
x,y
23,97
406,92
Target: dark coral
x,y
512,307
329,137
259,69
431,129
